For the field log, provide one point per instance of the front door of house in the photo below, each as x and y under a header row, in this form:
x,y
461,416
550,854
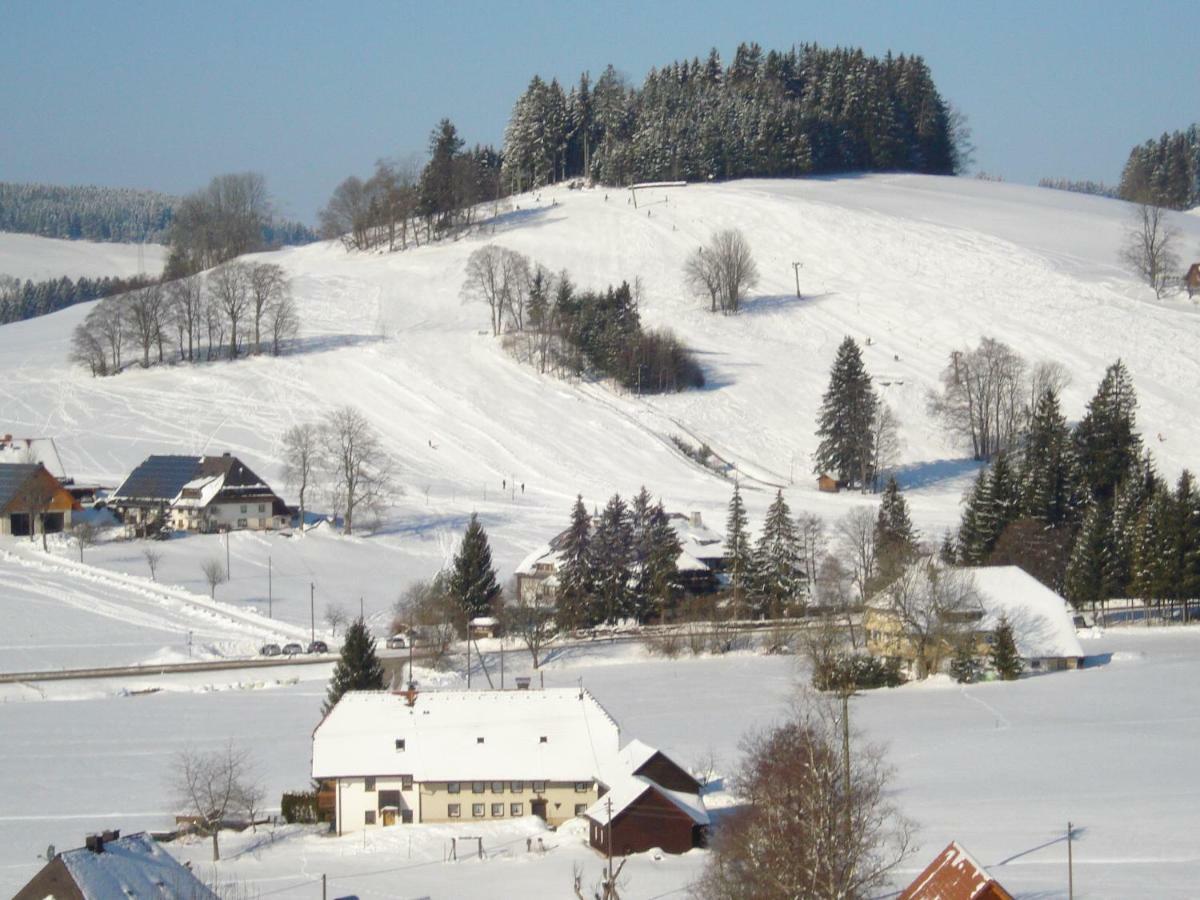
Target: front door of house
x,y
539,809
389,817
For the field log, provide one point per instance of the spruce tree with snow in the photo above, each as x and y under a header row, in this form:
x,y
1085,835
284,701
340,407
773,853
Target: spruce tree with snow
x,y
972,536
358,669
1049,476
473,578
1084,582
778,564
1106,442
576,578
612,562
1133,495
846,448
1003,502
739,556
948,551
1006,659
895,537
964,665
659,576
1187,535
1155,571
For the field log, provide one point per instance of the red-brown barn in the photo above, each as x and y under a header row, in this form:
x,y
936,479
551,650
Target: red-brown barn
x,y
644,815
954,875
642,759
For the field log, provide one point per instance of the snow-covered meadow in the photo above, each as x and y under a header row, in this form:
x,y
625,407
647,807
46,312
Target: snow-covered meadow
x,y
920,266
28,256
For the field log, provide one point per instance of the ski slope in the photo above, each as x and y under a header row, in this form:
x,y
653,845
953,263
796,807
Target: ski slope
x,y
920,266
28,256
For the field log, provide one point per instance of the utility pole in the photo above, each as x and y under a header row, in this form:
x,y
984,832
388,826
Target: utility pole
x,y
270,593
608,882
846,758
468,655
323,885
796,267
227,569
1070,866
361,615
312,609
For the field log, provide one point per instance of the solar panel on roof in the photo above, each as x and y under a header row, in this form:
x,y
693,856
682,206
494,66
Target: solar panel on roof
x,y
159,478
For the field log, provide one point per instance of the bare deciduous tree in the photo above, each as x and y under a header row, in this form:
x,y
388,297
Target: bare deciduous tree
x,y
531,618
1150,247
214,574
983,397
229,286
283,322
214,785
885,442
360,470
935,606
430,607
856,545
818,821
87,346
723,271
85,534
186,299
301,459
153,558
502,279
267,284
35,497
335,617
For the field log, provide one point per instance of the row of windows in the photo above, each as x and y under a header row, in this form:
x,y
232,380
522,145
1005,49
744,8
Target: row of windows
x,y
514,787
516,810
261,507
400,742
406,783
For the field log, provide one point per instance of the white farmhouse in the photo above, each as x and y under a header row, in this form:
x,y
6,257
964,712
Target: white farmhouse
x,y
444,756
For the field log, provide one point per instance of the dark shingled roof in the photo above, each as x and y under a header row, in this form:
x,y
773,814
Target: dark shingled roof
x,y
159,479
12,478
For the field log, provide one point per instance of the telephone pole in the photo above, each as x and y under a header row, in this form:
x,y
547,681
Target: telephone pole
x,y
312,609
1070,866
270,593
796,267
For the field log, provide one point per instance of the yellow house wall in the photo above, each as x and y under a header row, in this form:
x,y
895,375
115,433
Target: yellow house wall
x,y
560,796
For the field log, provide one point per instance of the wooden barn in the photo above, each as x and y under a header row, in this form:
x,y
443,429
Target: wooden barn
x,y
954,875
637,815
828,484
1191,280
32,501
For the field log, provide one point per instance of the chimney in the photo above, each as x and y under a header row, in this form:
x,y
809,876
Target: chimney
x,y
94,843
522,682
695,519
226,453
110,834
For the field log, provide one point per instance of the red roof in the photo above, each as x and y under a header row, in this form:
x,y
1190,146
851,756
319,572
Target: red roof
x,y
954,875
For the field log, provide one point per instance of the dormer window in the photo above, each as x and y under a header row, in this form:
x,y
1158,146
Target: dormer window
x,y
479,740
543,740
399,744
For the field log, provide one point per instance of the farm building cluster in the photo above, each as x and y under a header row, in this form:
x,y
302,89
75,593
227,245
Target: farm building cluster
x,y
392,758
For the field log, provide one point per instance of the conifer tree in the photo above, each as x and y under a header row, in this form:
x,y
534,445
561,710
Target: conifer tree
x,y
1084,582
1155,571
964,665
358,669
473,579
972,537
778,564
948,552
659,577
1006,659
1134,493
895,537
1187,537
846,448
576,579
612,562
1049,476
1106,442
739,559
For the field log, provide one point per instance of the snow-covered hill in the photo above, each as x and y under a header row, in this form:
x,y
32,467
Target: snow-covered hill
x,y
919,265
39,258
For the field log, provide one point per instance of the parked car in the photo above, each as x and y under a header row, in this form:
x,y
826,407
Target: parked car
x,y
270,650
318,647
292,649
397,642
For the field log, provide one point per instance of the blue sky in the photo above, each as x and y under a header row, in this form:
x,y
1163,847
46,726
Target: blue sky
x,y
167,94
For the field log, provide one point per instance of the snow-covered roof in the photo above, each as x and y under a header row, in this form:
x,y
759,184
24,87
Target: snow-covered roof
x,y
132,866
1042,623
543,554
205,489
485,621
954,875
1041,620
557,734
626,790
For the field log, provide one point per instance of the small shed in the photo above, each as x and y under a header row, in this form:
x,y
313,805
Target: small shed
x,y
114,866
638,758
954,875
829,484
1191,280
485,627
637,815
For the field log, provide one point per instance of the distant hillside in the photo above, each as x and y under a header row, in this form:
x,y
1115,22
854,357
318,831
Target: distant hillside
x,y
1165,171
87,212
105,214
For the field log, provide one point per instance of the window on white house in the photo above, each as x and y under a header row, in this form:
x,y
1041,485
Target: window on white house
x,y
539,787
241,523
580,809
543,740
477,787
243,507
369,784
477,810
406,782
516,810
582,787
497,810
399,743
454,810
516,786
497,787
262,508
453,787
479,740
369,817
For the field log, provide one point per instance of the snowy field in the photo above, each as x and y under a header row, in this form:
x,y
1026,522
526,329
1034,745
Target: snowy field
x,y
1000,767
27,256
